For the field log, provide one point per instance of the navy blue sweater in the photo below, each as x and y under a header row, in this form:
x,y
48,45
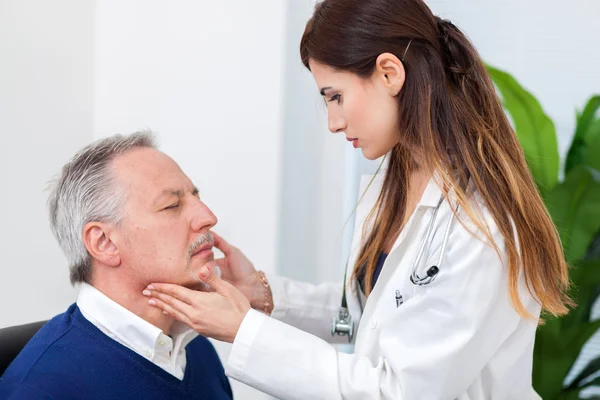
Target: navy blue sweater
x,y
69,358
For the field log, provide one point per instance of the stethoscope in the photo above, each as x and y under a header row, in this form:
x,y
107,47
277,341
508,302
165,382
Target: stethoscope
x,y
343,324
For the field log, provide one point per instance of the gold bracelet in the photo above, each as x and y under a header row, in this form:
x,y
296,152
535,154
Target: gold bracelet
x,y
265,282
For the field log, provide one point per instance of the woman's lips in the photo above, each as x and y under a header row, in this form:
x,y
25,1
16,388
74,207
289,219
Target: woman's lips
x,y
354,141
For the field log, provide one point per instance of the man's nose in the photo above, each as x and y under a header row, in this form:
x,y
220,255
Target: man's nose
x,y
336,123
203,218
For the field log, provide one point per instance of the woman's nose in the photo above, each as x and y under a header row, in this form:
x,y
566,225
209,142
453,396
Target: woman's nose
x,y
336,124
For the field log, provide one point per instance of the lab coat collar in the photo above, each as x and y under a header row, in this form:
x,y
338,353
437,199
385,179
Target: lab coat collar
x,y
432,194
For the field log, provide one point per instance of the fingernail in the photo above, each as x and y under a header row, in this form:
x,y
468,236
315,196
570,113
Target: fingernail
x,y
150,287
146,293
152,302
166,313
204,272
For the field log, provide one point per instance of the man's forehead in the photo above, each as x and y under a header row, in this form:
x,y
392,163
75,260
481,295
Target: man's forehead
x,y
150,172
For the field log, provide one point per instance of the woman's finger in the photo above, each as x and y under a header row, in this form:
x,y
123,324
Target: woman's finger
x,y
171,311
179,292
176,304
222,244
208,276
221,262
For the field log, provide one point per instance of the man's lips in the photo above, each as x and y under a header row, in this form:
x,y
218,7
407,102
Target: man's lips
x,y
204,250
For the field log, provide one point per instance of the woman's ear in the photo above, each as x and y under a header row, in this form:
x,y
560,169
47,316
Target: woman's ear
x,y
96,238
390,72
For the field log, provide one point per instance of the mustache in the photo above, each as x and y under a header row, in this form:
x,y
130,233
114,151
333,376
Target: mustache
x,y
201,240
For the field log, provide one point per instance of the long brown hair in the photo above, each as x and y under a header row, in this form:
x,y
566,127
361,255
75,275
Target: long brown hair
x,y
450,115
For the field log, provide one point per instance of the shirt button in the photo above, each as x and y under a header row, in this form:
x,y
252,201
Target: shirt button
x,y
161,342
373,323
148,354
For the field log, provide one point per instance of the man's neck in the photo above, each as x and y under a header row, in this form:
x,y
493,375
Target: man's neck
x,y
133,300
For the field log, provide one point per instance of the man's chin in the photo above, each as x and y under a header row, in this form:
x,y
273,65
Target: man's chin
x,y
193,275
192,281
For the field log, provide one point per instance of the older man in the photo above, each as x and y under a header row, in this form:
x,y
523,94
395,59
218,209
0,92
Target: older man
x,y
125,215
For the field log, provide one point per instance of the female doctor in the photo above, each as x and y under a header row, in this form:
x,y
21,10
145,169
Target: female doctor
x,y
454,254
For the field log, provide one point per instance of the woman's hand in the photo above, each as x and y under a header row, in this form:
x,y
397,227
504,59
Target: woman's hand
x,y
238,270
217,314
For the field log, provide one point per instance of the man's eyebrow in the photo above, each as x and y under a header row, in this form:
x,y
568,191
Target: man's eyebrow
x,y
323,89
176,192
172,192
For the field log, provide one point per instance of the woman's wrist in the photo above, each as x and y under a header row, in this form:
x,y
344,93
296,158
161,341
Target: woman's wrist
x,y
262,299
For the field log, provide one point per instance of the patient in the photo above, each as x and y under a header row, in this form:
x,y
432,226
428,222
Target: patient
x,y
125,215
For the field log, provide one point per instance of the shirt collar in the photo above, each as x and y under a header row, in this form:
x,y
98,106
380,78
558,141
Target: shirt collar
x,y
131,329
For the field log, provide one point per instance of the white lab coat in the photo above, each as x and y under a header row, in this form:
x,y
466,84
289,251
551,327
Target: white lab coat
x,y
456,338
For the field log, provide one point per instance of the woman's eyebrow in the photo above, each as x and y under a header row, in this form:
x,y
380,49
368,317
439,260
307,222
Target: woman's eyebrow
x,y
323,89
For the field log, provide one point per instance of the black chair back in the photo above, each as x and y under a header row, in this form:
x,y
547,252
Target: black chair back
x,y
13,339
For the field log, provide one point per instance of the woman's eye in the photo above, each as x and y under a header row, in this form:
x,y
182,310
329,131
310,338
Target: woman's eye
x,y
336,97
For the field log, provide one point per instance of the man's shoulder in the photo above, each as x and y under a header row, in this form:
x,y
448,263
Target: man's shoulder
x,y
47,351
203,356
24,392
46,337
204,365
204,347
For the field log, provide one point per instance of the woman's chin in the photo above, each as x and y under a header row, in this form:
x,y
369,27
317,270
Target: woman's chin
x,y
371,155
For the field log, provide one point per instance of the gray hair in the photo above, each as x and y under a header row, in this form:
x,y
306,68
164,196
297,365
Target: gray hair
x,y
86,191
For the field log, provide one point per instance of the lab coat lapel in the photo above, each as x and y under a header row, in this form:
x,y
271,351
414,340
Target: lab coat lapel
x,y
365,205
429,199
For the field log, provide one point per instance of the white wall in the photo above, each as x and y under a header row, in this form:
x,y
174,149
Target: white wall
x,y
317,183
207,77
46,81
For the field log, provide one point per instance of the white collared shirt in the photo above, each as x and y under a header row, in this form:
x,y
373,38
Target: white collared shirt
x,y
135,333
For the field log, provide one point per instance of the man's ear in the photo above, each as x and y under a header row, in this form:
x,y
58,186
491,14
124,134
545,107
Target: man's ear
x,y
389,70
97,241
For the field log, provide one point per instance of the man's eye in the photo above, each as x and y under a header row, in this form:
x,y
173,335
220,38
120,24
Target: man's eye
x,y
172,207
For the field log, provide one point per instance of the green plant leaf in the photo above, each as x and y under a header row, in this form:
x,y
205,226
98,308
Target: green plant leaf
x,y
533,127
572,394
587,127
554,356
593,148
585,276
549,365
586,272
591,368
592,382
575,208
575,392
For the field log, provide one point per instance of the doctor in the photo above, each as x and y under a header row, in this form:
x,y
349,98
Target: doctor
x,y
454,254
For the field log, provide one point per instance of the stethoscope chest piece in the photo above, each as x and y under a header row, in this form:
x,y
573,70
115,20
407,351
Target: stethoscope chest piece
x,y
343,325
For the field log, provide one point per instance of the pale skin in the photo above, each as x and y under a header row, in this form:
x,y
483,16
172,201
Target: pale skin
x,y
366,111
163,217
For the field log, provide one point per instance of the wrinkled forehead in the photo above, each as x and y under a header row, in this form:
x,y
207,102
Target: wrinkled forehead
x,y
146,173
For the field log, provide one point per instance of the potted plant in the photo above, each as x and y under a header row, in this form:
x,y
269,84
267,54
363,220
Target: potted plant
x,y
574,204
